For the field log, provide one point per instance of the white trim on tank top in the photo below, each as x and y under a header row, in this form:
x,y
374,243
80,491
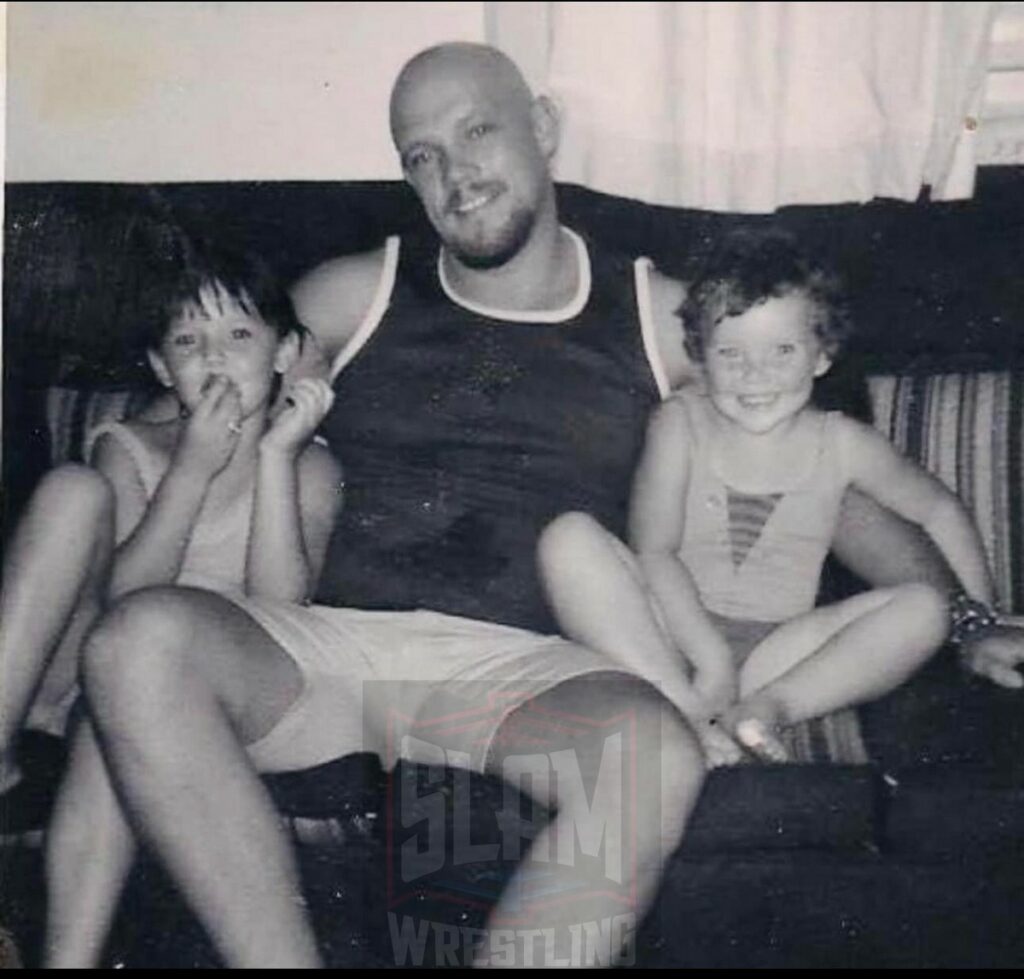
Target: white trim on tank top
x,y
648,329
375,312
567,312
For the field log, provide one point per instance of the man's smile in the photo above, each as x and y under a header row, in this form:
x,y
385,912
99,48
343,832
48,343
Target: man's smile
x,y
463,203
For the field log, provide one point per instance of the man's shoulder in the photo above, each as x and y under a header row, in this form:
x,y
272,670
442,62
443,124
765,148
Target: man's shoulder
x,y
332,299
661,295
667,293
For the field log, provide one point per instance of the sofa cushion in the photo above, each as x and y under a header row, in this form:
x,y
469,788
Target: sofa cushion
x,y
786,807
953,811
943,717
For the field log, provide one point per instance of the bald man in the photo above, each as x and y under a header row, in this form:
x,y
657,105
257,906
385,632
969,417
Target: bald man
x,y
484,386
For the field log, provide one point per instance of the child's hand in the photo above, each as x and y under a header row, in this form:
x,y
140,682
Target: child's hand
x,y
305,406
718,745
211,432
718,686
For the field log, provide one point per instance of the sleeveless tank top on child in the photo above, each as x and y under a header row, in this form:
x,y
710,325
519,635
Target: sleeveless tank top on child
x,y
768,571
215,556
465,430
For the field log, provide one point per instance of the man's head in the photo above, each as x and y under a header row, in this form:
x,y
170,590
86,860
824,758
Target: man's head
x,y
476,147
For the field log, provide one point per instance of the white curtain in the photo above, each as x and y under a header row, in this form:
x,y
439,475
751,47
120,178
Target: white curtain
x,y
751,106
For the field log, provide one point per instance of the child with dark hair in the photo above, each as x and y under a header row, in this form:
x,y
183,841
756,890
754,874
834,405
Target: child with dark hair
x,y
734,506
221,495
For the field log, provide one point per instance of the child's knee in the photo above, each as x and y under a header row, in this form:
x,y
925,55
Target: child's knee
x,y
73,490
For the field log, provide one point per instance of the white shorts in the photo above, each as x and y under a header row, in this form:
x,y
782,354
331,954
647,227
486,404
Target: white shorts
x,y
420,685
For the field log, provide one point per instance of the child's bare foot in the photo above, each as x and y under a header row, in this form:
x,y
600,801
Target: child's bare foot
x,y
719,747
755,724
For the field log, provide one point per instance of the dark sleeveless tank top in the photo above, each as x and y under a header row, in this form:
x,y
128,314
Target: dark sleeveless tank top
x,y
463,435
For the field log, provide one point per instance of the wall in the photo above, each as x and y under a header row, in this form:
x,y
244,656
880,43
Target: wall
x,y
212,91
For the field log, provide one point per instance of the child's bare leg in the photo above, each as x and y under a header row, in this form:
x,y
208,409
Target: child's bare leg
x,y
54,574
834,657
597,592
88,855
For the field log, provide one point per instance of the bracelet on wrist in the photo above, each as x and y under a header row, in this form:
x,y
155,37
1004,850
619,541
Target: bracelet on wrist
x,y
969,618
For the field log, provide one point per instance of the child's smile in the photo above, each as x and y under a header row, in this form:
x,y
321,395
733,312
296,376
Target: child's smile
x,y
761,364
756,401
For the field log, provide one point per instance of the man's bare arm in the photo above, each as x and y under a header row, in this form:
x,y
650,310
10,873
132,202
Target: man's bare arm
x,y
331,301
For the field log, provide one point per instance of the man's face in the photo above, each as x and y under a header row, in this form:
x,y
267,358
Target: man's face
x,y
470,150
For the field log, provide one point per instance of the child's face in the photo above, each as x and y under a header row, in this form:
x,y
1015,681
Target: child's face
x,y
218,337
761,365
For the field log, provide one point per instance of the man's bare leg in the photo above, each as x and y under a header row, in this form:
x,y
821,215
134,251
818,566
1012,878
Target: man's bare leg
x,y
654,801
886,550
178,681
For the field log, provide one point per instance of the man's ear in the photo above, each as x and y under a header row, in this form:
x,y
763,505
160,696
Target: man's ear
x,y
547,126
824,364
159,365
287,353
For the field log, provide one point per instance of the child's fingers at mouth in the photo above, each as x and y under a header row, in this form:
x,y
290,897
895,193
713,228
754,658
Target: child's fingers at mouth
x,y
210,382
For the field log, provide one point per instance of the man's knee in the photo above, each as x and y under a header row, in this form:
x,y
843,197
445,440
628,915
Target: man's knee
x,y
682,771
142,635
668,760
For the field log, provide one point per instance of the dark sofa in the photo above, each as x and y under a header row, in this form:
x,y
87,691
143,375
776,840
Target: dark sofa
x,y
915,859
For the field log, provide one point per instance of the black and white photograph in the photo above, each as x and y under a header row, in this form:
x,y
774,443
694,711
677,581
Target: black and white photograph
x,y
512,485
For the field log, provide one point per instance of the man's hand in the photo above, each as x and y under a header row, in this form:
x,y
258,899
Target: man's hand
x,y
997,655
305,406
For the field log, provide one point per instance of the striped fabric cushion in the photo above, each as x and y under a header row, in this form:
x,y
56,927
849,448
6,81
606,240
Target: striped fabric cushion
x,y
968,429
73,413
